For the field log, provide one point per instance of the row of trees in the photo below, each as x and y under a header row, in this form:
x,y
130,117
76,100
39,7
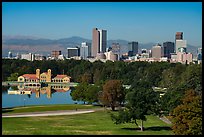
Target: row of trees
x,y
176,77
138,101
98,82
141,101
97,71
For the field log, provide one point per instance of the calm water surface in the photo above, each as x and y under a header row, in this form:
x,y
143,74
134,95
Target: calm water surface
x,y
13,96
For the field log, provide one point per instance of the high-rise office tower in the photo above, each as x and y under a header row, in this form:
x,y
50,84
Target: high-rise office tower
x,y
18,56
179,35
180,43
85,50
199,54
29,56
99,41
116,49
95,42
157,51
133,48
72,52
9,54
168,48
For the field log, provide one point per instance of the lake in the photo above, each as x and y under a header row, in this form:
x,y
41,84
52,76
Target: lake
x,y
14,96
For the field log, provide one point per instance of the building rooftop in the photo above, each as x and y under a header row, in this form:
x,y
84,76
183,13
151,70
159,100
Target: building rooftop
x,y
30,76
61,76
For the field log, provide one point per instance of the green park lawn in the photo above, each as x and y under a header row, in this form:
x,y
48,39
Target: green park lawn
x,y
96,123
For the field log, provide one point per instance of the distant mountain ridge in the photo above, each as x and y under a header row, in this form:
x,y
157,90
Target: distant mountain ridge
x,y
45,46
21,40
6,37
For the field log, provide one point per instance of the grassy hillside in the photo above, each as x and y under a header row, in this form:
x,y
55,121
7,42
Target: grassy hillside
x,y
97,123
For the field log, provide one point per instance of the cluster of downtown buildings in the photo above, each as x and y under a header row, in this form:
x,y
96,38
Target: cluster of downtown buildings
x,y
97,50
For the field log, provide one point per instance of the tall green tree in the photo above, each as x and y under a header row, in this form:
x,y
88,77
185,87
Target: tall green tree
x,y
140,102
92,93
168,78
192,77
185,78
172,98
187,117
79,92
86,92
97,76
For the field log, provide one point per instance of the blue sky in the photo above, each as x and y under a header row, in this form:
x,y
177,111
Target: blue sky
x,y
139,21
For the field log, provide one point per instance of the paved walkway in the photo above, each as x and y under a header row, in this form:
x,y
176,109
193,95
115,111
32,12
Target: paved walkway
x,y
163,118
49,113
63,112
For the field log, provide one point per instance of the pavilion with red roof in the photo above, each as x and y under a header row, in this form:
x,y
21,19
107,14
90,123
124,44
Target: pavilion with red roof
x,y
44,77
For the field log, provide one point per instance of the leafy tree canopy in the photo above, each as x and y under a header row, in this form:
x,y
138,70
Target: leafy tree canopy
x,y
113,93
187,117
139,103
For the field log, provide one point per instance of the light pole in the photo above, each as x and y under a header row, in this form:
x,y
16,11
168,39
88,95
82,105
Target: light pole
x,y
76,106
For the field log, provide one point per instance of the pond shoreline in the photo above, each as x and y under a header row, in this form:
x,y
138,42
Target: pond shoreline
x,y
15,83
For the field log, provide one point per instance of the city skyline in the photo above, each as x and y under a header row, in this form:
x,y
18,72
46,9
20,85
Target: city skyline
x,y
133,21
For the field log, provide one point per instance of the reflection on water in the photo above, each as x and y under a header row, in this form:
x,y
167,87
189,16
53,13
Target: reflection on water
x,y
22,95
37,90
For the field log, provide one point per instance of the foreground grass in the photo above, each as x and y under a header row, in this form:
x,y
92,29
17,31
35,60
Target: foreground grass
x,y
97,123
47,108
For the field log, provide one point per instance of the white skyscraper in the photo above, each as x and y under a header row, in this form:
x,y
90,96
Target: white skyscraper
x,y
180,44
29,56
9,54
85,50
102,41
